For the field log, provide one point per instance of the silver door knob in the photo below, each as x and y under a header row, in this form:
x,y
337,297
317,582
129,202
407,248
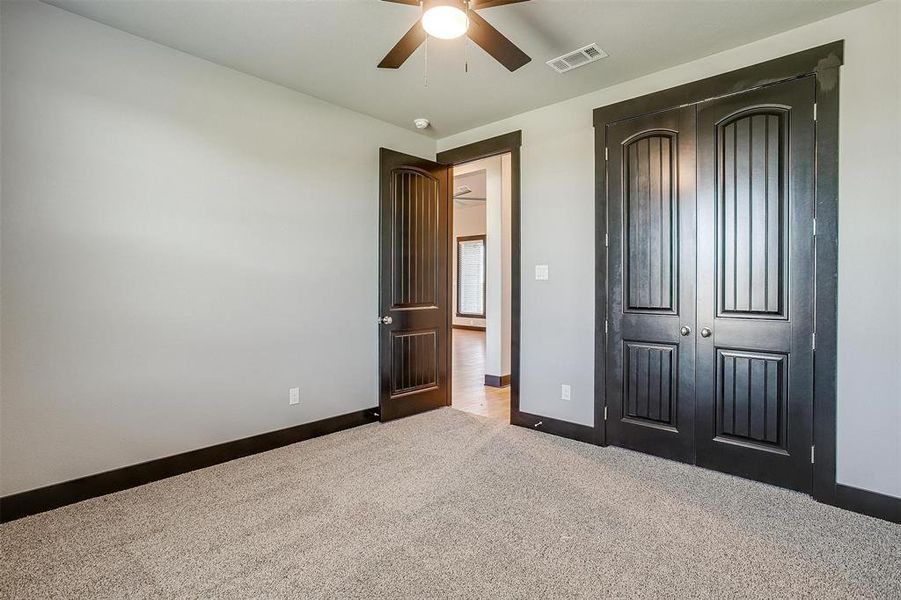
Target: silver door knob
x,y
386,320
685,330
705,333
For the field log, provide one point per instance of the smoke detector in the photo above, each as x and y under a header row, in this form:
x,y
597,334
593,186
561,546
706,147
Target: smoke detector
x,y
577,58
421,123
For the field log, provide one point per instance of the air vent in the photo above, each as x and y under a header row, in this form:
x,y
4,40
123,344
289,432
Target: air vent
x,y
580,57
462,190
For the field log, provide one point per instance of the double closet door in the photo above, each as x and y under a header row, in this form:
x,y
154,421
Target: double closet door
x,y
711,283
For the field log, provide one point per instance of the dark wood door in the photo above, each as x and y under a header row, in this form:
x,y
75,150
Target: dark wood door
x,y
413,285
756,283
651,300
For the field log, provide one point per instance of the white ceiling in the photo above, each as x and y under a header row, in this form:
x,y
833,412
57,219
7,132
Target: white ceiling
x,y
330,48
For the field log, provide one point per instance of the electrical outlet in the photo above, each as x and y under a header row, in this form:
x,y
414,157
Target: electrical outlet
x,y
541,272
565,392
294,396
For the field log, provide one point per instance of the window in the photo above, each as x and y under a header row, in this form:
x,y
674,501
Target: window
x,y
471,276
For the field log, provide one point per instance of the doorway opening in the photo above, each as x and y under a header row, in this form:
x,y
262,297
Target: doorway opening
x,y
482,284
417,297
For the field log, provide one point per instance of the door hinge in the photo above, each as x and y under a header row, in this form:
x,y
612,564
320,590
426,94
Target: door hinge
x,y
606,240
813,341
814,111
607,158
812,449
814,228
605,326
605,413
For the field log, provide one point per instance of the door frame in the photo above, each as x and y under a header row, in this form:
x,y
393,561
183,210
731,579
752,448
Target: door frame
x,y
823,62
501,144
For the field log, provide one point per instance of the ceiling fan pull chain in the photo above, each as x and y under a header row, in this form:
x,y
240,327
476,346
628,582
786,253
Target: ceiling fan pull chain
x,y
466,43
466,55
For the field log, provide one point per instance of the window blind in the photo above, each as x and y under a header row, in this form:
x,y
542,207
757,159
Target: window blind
x,y
471,277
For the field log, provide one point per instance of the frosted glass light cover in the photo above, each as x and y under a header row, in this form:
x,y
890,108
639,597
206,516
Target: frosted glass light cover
x,y
445,22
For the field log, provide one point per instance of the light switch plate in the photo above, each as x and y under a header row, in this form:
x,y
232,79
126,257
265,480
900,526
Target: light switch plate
x,y
565,392
541,272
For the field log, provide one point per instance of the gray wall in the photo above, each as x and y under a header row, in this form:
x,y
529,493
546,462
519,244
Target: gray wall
x,y
558,230
181,244
175,255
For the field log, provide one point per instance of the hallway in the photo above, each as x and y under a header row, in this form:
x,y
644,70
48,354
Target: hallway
x,y
470,393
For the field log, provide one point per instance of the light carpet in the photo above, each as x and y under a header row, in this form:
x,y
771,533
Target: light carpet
x,y
450,505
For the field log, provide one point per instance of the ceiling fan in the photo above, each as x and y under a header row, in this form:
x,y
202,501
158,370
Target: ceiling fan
x,y
448,19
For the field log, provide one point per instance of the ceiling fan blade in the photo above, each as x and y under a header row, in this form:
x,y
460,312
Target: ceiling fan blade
x,y
494,43
410,2
405,47
479,4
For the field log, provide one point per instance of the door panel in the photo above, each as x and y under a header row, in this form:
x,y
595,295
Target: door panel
x,y
751,398
755,283
650,388
751,252
413,342
649,382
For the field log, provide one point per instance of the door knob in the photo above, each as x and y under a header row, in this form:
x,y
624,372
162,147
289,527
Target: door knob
x,y
685,330
386,320
705,333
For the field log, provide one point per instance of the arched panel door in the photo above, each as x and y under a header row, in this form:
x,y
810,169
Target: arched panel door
x,y
413,304
651,301
756,283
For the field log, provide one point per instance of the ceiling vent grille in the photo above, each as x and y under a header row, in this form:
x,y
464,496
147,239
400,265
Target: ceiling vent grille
x,y
462,190
580,57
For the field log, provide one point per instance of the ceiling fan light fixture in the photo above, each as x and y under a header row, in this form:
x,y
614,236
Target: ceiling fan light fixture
x,y
445,22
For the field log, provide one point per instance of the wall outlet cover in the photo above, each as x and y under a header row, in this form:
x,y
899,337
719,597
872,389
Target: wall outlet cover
x,y
541,272
294,396
565,392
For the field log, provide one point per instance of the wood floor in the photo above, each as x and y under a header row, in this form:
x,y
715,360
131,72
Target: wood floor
x,y
469,390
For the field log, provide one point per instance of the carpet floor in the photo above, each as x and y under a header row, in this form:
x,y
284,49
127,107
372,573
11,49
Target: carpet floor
x,y
450,505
